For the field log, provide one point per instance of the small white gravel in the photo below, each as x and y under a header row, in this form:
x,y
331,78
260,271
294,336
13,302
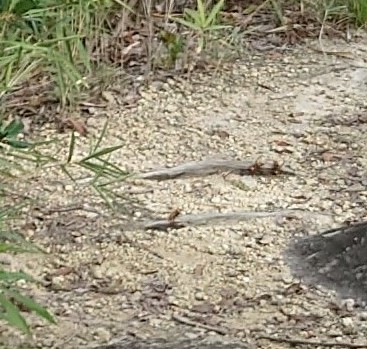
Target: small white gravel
x,y
173,123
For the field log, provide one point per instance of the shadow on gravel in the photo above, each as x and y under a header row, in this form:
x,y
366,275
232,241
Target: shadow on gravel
x,y
335,259
164,344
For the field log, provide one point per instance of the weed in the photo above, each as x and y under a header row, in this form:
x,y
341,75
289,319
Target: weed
x,y
174,44
47,37
13,302
203,21
358,9
13,152
351,11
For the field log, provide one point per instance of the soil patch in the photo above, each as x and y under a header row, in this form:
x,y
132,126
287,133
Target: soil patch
x,y
104,280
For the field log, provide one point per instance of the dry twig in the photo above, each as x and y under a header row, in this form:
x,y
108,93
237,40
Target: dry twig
x,y
211,218
209,167
186,321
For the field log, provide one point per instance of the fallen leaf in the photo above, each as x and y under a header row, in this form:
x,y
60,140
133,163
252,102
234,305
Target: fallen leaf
x,y
62,271
282,143
221,134
108,97
294,288
199,270
77,125
328,156
172,216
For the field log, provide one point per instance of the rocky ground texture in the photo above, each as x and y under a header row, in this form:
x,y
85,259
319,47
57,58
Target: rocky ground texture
x,y
106,280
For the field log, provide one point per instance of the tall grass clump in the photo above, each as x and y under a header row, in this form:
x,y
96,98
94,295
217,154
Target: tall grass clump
x,y
41,38
358,9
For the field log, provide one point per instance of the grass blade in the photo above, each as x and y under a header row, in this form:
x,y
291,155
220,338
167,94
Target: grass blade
x,y
201,12
214,13
12,315
30,305
101,136
14,276
102,152
71,147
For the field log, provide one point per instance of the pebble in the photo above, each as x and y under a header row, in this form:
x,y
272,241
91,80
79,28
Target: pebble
x,y
103,334
347,322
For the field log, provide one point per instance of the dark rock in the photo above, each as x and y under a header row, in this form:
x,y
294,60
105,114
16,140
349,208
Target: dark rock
x,y
335,259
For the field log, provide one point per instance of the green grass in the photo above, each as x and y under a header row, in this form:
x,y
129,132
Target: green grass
x,y
64,41
358,11
47,38
352,11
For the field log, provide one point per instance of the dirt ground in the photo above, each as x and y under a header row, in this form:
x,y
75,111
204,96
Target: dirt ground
x,y
105,280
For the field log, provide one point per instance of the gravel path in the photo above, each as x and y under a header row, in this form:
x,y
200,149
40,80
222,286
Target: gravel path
x,y
103,282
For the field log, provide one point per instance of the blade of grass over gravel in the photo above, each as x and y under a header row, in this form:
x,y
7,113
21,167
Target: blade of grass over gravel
x,y
101,137
71,147
29,304
13,242
14,276
11,314
104,151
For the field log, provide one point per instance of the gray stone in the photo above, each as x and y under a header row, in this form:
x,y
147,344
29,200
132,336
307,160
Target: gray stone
x,y
335,259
